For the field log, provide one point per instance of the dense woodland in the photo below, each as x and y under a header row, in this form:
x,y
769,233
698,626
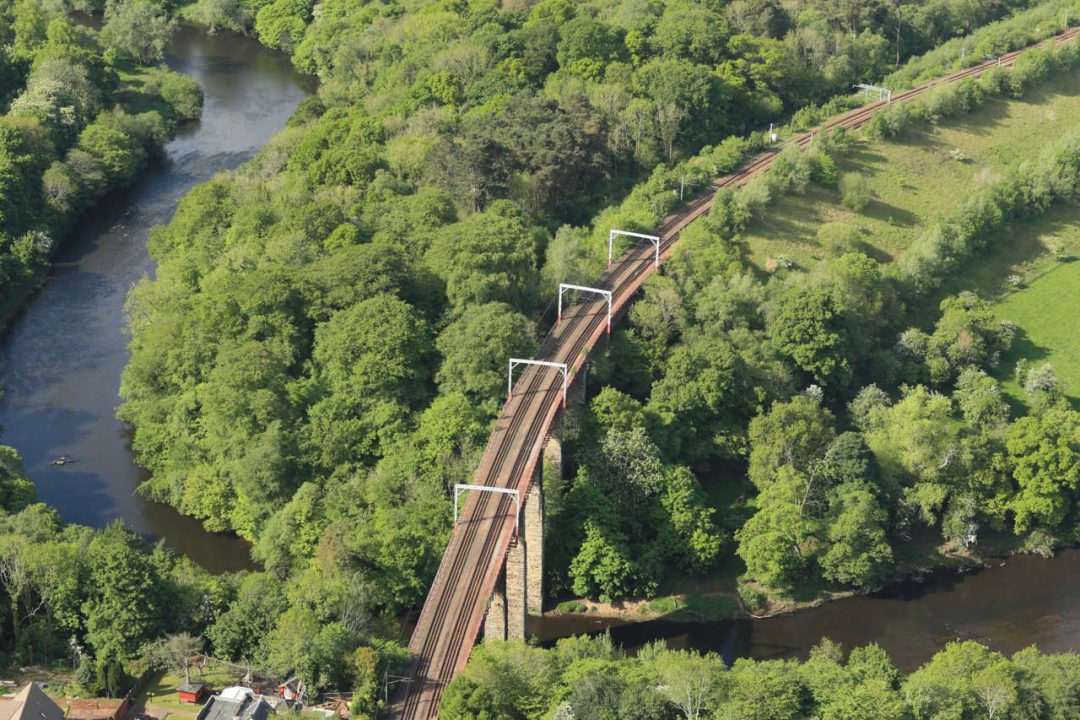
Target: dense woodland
x,y
322,352
82,115
588,678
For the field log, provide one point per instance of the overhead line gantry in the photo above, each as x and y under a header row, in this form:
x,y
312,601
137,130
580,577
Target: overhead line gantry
x,y
641,236
563,287
514,362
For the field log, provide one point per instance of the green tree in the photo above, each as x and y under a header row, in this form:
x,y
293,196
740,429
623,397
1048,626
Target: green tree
x,y
915,442
60,94
16,488
466,699
859,553
292,533
603,567
372,364
488,257
476,347
112,678
807,326
280,24
691,32
979,398
796,433
689,681
291,644
946,686
1044,453
775,543
768,690
124,607
703,400
139,29
587,45
241,631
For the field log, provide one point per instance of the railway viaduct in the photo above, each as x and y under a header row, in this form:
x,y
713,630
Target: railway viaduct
x,y
490,575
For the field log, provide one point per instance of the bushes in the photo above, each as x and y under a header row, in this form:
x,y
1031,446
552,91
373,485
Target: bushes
x,y
1037,23
181,92
1030,69
1027,190
854,191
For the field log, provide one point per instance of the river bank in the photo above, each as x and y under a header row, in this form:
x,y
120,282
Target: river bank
x,y
719,596
62,355
1007,603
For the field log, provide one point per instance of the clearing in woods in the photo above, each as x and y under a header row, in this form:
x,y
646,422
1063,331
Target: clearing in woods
x,y
917,178
1047,313
922,175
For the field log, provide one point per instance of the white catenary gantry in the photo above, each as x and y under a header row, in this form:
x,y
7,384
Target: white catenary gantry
x,y
611,243
463,487
563,287
880,92
514,362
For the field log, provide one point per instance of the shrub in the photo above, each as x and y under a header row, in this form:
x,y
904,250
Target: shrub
x,y
181,92
1041,543
752,598
824,171
890,122
854,191
86,676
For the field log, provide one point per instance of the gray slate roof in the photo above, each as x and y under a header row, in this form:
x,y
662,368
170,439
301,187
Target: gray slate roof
x,y
218,708
30,704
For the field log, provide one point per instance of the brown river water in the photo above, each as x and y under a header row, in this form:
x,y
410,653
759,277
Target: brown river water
x,y
1025,601
61,360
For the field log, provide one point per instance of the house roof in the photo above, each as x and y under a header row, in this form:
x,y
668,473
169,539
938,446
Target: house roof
x,y
93,709
219,708
190,687
31,703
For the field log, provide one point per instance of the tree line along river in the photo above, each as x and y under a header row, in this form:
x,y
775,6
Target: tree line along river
x,y
61,361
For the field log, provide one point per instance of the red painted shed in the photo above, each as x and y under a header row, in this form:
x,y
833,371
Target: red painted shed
x,y
191,692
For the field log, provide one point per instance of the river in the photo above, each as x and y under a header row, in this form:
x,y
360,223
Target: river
x,y
61,359
1025,601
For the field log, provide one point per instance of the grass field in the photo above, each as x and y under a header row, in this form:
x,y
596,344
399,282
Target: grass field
x,y
1048,314
159,698
915,180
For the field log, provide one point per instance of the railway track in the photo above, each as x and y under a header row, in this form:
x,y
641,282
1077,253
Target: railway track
x,y
454,610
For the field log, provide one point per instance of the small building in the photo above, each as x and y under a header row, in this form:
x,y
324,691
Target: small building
x,y
292,689
30,703
245,708
192,692
97,709
239,693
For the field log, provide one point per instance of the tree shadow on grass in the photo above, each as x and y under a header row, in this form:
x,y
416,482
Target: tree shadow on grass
x,y
1023,348
890,214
